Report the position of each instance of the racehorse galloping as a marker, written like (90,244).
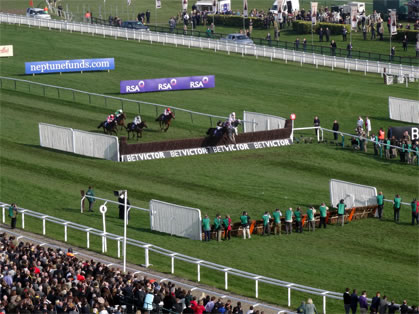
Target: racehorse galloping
(120,120)
(109,128)
(137,128)
(165,121)
(225,128)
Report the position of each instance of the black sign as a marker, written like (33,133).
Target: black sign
(205,150)
(399,131)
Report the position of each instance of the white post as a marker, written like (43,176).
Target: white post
(103,209)
(147,255)
(125,231)
(119,247)
(4,215)
(88,238)
(292,129)
(23,219)
(289,295)
(65,232)
(43,225)
(199,270)
(173,262)
(226,278)
(318,134)
(257,288)
(82,199)
(324,302)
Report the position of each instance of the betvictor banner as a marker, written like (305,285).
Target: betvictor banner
(205,150)
(167,84)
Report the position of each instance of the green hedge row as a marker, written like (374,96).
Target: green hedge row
(234,20)
(412,35)
(304,27)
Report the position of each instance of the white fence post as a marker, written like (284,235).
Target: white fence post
(226,278)
(119,246)
(23,219)
(173,262)
(147,259)
(4,215)
(257,287)
(324,301)
(44,231)
(198,263)
(65,231)
(88,238)
(289,294)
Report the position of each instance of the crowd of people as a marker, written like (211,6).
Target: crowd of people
(38,279)
(223,226)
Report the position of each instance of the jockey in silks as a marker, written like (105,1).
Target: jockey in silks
(118,113)
(166,113)
(231,120)
(218,128)
(109,120)
(136,121)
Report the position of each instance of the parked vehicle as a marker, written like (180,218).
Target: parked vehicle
(238,38)
(134,25)
(37,13)
(285,6)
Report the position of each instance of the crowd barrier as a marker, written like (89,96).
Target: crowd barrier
(272,53)
(405,110)
(79,142)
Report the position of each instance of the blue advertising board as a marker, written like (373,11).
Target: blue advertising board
(79,65)
(167,84)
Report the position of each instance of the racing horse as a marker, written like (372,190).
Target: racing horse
(136,128)
(109,128)
(225,128)
(165,121)
(120,120)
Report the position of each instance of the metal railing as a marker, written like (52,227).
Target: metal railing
(173,256)
(308,48)
(135,271)
(106,98)
(272,53)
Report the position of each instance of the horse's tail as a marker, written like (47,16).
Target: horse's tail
(100,125)
(159,118)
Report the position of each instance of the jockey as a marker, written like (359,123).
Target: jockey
(167,112)
(136,121)
(232,117)
(118,113)
(109,119)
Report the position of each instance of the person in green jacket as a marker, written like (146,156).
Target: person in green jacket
(311,221)
(341,211)
(244,219)
(89,197)
(277,221)
(266,227)
(298,220)
(380,203)
(218,227)
(323,214)
(288,221)
(206,227)
(397,203)
(13,215)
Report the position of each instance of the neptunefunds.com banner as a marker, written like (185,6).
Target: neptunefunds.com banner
(167,84)
(59,66)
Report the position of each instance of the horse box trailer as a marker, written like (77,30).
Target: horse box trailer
(360,7)
(222,6)
(285,5)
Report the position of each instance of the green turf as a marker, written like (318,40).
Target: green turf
(369,254)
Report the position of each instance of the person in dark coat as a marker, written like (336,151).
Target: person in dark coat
(354,301)
(335,127)
(375,303)
(347,301)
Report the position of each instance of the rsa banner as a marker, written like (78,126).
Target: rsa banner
(59,66)
(205,150)
(167,84)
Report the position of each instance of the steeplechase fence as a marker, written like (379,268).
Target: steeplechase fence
(405,110)
(273,53)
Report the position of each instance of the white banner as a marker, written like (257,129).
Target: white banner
(185,5)
(393,25)
(245,8)
(314,13)
(354,13)
(6,51)
(158,4)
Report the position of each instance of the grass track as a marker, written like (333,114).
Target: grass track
(49,181)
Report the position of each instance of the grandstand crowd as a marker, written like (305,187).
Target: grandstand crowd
(38,279)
